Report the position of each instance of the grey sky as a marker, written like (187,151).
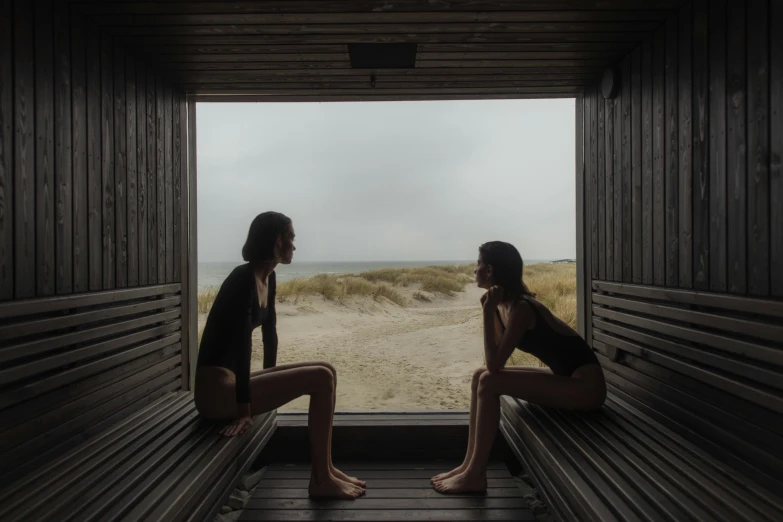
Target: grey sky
(389,181)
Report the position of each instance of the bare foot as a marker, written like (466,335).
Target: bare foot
(334,488)
(463,483)
(443,476)
(345,478)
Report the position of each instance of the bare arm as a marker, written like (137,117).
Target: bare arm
(498,348)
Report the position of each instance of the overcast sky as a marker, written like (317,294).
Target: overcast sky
(390,181)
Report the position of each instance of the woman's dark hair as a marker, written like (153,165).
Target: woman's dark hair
(507,268)
(263,234)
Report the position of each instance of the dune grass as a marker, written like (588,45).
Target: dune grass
(434,279)
(337,288)
(553,284)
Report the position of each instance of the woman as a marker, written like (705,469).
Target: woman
(514,319)
(225,388)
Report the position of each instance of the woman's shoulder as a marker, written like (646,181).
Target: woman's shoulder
(240,277)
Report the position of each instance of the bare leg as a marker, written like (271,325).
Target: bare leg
(474,384)
(273,389)
(585,390)
(336,472)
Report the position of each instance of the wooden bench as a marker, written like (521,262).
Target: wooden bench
(94,422)
(692,427)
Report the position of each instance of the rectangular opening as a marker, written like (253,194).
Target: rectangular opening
(390,202)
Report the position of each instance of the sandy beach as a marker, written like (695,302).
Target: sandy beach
(388,357)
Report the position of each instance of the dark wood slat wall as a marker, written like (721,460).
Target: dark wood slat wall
(758,149)
(647,162)
(299,51)
(697,338)
(736,147)
(84,337)
(692,177)
(23,23)
(776,145)
(6,152)
(76,147)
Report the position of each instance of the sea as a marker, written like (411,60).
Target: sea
(214,273)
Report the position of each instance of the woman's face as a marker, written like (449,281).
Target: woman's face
(285,246)
(483,274)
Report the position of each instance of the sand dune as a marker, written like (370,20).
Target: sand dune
(419,357)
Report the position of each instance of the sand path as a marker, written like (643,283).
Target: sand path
(388,358)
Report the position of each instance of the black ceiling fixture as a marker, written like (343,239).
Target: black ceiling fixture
(382,56)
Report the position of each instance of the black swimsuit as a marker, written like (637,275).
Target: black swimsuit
(227,341)
(564,354)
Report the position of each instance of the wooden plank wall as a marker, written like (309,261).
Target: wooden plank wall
(686,294)
(92,185)
(686,160)
(90,170)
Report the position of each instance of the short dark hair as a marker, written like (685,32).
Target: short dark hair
(262,236)
(507,267)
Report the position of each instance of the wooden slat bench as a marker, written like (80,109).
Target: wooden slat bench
(693,425)
(94,422)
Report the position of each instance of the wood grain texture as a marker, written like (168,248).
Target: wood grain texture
(94,182)
(7,124)
(618,174)
(736,147)
(636,162)
(142,138)
(685,128)
(160,175)
(627,170)
(593,183)
(609,185)
(758,148)
(132,199)
(659,157)
(776,148)
(647,162)
(600,188)
(176,153)
(120,168)
(701,157)
(672,157)
(63,151)
(717,146)
(44,149)
(369,6)
(107,163)
(169,184)
(24,151)
(152,180)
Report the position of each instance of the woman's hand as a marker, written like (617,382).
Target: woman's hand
(238,427)
(492,298)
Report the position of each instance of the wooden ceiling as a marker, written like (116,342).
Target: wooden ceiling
(297,50)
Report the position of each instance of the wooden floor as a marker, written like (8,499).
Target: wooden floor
(395,491)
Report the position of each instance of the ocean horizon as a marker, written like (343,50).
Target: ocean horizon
(213,273)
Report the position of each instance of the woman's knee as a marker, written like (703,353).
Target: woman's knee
(322,378)
(474,383)
(328,367)
(486,383)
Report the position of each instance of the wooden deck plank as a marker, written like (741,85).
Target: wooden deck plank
(262,494)
(440,502)
(396,491)
(387,483)
(278,474)
(374,515)
(436,465)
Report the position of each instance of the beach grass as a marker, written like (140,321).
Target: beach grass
(553,284)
